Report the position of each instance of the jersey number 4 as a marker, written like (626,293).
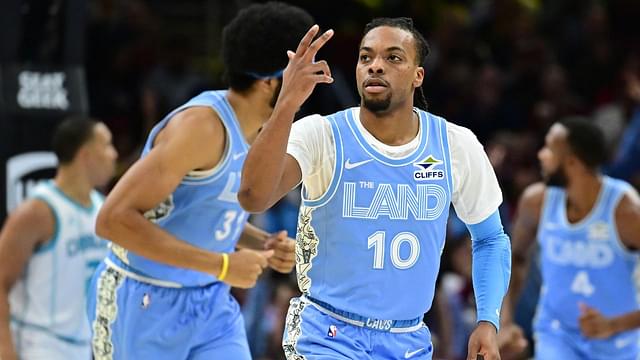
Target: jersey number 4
(377,242)
(581,284)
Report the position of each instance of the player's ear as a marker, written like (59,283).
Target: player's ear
(267,86)
(273,84)
(419,77)
(571,160)
(82,153)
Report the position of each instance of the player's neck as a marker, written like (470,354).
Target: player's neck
(250,115)
(582,194)
(396,127)
(74,183)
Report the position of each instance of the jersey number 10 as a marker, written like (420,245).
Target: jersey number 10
(377,242)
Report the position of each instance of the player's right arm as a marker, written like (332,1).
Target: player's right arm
(593,323)
(193,139)
(269,173)
(30,225)
(522,239)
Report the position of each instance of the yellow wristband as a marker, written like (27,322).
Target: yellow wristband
(225,266)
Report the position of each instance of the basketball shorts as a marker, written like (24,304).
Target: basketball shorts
(318,332)
(134,319)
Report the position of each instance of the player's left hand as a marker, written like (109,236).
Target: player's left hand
(284,256)
(593,324)
(483,341)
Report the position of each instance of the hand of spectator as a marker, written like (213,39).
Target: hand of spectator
(484,342)
(245,266)
(511,341)
(593,324)
(284,256)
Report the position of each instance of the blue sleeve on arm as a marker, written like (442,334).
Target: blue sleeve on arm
(491,267)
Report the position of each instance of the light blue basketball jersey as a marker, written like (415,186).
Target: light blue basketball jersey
(203,210)
(48,301)
(584,262)
(371,244)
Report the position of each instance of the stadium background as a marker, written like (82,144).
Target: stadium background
(506,69)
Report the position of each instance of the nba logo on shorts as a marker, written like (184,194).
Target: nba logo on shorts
(333,331)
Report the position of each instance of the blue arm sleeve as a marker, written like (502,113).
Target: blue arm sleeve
(491,267)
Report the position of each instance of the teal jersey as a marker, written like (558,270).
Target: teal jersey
(50,296)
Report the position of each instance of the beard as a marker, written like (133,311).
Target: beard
(556,178)
(377,105)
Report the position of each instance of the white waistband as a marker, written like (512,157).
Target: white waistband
(141,278)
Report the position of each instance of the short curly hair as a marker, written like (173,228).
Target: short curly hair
(255,42)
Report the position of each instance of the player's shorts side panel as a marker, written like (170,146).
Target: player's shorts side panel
(312,335)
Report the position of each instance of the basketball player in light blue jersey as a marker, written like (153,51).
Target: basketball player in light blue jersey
(174,217)
(49,251)
(587,226)
(378,182)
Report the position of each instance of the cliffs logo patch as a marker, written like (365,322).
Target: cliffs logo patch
(428,170)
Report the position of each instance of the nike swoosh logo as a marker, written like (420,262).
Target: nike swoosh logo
(408,354)
(349,165)
(238,155)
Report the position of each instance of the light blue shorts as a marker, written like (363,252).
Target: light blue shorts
(132,319)
(316,335)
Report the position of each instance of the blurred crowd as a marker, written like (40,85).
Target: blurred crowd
(507,69)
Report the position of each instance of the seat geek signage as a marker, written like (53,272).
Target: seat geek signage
(44,90)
